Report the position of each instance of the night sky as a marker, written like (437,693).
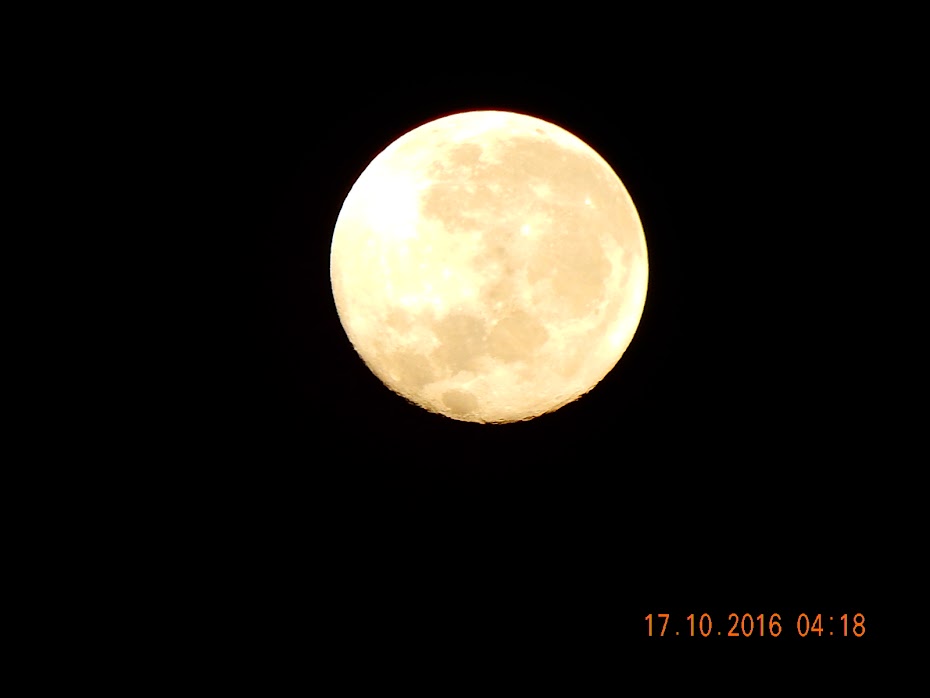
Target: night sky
(708,472)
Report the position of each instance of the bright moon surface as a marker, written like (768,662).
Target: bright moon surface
(489,266)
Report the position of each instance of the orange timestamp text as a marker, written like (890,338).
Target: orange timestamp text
(747,625)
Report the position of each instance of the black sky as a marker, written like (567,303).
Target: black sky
(710,470)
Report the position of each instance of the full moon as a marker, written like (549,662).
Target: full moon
(489,266)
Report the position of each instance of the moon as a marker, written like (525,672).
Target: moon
(489,266)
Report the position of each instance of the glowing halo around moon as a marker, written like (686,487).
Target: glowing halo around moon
(489,266)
